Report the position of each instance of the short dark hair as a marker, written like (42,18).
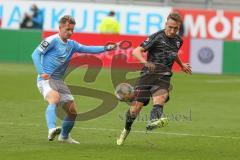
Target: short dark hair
(111,13)
(175,16)
(68,19)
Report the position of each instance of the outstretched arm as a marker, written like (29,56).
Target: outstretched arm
(184,66)
(93,49)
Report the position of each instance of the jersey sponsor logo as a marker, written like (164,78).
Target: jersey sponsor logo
(44,45)
(205,55)
(68,49)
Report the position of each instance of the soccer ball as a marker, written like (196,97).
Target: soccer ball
(124,92)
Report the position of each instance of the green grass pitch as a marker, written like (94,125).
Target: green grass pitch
(203,110)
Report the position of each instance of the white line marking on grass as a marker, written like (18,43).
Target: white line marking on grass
(164,133)
(118,130)
(223,81)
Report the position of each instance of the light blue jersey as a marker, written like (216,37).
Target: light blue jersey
(53,55)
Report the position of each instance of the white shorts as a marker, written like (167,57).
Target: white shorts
(45,86)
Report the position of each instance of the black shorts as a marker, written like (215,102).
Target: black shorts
(149,83)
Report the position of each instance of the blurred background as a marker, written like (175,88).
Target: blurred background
(211,28)
(204,107)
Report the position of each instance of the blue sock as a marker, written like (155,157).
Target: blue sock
(67,126)
(51,116)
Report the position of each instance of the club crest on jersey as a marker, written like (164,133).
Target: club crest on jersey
(68,49)
(44,45)
(178,44)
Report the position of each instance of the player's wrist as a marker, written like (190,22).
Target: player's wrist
(45,76)
(182,65)
(148,63)
(109,47)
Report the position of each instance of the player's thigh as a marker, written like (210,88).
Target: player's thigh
(52,97)
(160,96)
(160,90)
(64,91)
(143,88)
(66,98)
(49,91)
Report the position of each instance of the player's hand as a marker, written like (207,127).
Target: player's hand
(45,76)
(150,66)
(187,68)
(110,47)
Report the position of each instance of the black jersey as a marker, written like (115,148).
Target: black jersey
(162,50)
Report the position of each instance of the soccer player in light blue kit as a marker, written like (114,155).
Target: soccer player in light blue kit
(51,59)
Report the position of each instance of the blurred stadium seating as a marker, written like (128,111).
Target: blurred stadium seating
(216,4)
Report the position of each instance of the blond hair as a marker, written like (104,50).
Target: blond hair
(66,19)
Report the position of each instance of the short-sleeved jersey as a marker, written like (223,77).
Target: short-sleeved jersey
(162,50)
(56,54)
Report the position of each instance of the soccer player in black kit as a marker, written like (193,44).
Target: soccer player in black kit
(162,51)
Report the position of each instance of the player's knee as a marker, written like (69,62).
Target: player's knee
(160,99)
(71,110)
(72,113)
(134,113)
(53,98)
(136,108)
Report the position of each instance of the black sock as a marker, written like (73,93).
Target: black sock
(156,112)
(129,120)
